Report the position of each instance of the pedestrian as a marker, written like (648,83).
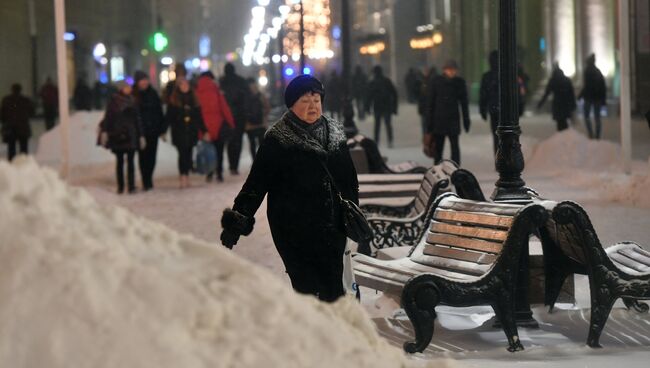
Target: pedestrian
(382,97)
(151,116)
(186,123)
(489,97)
(522,84)
(359,89)
(423,96)
(236,90)
(412,81)
(295,164)
(448,94)
(593,94)
(49,94)
(82,96)
(258,110)
(15,113)
(100,95)
(334,89)
(121,132)
(564,100)
(217,118)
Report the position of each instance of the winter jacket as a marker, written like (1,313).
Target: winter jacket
(214,107)
(257,110)
(151,114)
(303,210)
(446,97)
(359,85)
(184,119)
(122,123)
(15,114)
(236,91)
(83,96)
(564,100)
(594,88)
(489,94)
(382,96)
(49,94)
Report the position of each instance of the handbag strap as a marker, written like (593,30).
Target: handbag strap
(336,188)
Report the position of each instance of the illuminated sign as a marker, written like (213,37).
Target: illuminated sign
(373,48)
(426,42)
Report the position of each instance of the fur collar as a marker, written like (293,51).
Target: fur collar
(289,136)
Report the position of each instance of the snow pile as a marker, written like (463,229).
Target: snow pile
(84,285)
(593,165)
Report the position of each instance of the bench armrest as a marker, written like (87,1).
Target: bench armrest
(392,232)
(385,210)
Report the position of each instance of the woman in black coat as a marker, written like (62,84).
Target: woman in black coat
(184,118)
(303,209)
(564,99)
(121,132)
(151,114)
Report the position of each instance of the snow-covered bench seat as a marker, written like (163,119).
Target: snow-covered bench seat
(571,246)
(469,255)
(374,162)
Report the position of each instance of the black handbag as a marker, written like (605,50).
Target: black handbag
(354,221)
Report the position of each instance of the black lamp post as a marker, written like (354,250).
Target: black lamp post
(346,49)
(509,160)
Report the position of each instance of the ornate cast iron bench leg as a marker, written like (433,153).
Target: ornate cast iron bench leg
(419,299)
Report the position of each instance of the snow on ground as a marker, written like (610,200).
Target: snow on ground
(88,285)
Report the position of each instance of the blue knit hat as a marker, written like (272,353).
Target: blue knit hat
(301,85)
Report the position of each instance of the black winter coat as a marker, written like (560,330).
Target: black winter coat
(446,97)
(185,120)
(237,94)
(382,95)
(303,210)
(122,123)
(564,99)
(489,95)
(594,89)
(15,114)
(151,113)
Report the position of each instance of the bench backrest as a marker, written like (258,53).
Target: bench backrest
(437,173)
(465,237)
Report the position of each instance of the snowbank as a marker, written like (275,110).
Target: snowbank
(593,165)
(85,285)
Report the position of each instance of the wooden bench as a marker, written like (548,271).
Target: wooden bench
(571,246)
(469,255)
(375,163)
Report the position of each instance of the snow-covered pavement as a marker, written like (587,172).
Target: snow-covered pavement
(615,202)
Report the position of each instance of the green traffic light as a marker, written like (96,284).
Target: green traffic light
(160,41)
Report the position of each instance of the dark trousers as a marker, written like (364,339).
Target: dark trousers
(130,169)
(255,137)
(361,112)
(320,278)
(386,116)
(562,123)
(234,147)
(440,146)
(184,159)
(494,123)
(218,145)
(147,161)
(11,147)
(49,114)
(587,114)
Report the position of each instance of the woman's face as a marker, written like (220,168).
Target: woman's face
(308,108)
(183,85)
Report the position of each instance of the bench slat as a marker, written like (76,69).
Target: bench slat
(473,218)
(466,243)
(388,190)
(452,265)
(641,257)
(491,208)
(628,262)
(469,231)
(382,179)
(378,283)
(463,255)
(404,267)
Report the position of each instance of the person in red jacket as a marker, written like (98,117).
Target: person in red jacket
(217,117)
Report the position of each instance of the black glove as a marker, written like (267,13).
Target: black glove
(229,239)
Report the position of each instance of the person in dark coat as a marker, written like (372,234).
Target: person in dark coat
(594,94)
(121,132)
(217,118)
(489,96)
(413,82)
(423,96)
(334,89)
(49,94)
(179,73)
(523,80)
(382,97)
(448,93)
(83,96)
(564,100)
(151,115)
(359,90)
(236,90)
(186,123)
(303,210)
(258,108)
(15,112)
